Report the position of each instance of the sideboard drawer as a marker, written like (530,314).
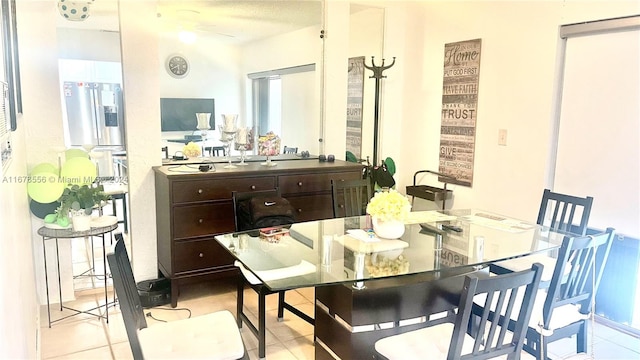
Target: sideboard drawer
(205,219)
(200,254)
(299,184)
(312,207)
(215,189)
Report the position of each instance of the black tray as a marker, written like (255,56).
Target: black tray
(430,193)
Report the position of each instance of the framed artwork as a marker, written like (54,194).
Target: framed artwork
(11,57)
(459,110)
(354,105)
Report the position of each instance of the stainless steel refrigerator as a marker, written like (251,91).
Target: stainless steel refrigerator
(94,114)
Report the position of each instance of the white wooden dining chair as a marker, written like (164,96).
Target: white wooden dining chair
(211,336)
(486,339)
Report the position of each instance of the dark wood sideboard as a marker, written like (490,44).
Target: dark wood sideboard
(192,207)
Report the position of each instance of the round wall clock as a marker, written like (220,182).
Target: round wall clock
(177,66)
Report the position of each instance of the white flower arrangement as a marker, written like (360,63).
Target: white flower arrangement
(191,150)
(389,205)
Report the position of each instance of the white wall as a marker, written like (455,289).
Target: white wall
(517,72)
(20,258)
(366,30)
(336,55)
(73,44)
(295,48)
(142,110)
(215,73)
(19,306)
(299,109)
(301,47)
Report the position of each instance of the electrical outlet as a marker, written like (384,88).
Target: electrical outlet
(502,137)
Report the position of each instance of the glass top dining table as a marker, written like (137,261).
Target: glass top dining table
(341,250)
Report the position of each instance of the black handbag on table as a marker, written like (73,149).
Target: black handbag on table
(261,212)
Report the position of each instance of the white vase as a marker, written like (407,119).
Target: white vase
(388,229)
(81,222)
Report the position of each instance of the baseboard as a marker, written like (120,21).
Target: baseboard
(618,326)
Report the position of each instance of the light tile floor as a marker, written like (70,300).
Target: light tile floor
(88,337)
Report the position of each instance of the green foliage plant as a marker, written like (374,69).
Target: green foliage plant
(77,200)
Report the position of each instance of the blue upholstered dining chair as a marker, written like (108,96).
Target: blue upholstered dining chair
(211,336)
(510,294)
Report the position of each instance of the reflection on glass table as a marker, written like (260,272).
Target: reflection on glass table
(433,241)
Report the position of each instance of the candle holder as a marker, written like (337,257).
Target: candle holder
(203,147)
(243,151)
(228,130)
(248,144)
(203,126)
(268,162)
(226,138)
(242,144)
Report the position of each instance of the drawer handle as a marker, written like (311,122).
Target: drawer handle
(341,206)
(253,187)
(300,183)
(200,191)
(200,221)
(299,210)
(201,255)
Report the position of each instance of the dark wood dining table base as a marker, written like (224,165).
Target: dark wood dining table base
(381,302)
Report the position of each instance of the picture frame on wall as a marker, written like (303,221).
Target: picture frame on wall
(355,95)
(11,59)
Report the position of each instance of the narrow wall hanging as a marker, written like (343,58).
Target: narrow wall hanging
(355,90)
(459,110)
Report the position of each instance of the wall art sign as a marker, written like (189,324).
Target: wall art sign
(11,64)
(459,110)
(355,90)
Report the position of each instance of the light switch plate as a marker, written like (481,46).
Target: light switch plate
(502,137)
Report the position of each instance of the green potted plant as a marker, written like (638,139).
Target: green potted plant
(77,201)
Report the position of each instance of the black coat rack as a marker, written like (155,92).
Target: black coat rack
(377,74)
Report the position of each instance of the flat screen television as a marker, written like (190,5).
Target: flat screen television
(179,114)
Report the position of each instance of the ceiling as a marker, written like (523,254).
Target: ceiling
(243,21)
(230,21)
